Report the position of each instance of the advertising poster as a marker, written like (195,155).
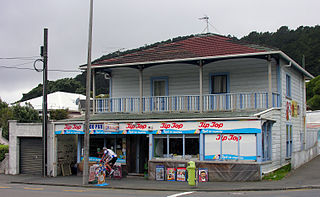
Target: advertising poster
(203,175)
(171,174)
(181,174)
(160,173)
(117,171)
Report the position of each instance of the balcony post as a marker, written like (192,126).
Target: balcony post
(93,91)
(201,84)
(270,82)
(141,88)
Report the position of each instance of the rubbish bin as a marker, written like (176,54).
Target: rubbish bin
(191,173)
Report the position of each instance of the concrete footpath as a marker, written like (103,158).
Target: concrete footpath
(305,177)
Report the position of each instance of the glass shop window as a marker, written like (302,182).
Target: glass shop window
(175,145)
(96,144)
(192,145)
(179,146)
(160,146)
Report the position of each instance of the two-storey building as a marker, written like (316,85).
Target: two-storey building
(234,108)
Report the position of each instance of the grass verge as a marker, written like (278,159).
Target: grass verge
(278,174)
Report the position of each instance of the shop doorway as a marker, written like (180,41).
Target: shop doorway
(138,150)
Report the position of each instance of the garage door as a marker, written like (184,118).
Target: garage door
(31,154)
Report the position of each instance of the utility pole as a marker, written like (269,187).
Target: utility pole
(44,102)
(85,177)
(44,60)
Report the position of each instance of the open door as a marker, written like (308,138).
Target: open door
(137,153)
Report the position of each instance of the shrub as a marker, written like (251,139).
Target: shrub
(3,150)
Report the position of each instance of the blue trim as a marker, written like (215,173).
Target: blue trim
(110,88)
(238,147)
(150,146)
(230,157)
(219,74)
(220,147)
(168,145)
(288,86)
(164,78)
(183,145)
(201,147)
(279,77)
(259,147)
(243,130)
(79,149)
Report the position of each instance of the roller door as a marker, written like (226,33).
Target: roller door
(31,155)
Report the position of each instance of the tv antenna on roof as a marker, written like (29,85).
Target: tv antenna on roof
(206,18)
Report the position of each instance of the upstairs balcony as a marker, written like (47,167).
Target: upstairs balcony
(188,103)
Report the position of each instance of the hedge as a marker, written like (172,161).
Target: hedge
(3,150)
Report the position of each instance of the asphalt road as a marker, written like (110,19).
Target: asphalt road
(17,190)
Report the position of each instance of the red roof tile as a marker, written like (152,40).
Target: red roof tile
(207,45)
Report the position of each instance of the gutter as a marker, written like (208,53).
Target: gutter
(183,60)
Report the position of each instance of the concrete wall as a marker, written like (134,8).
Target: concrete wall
(4,165)
(18,130)
(301,157)
(3,140)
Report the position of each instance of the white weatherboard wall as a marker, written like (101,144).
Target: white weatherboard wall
(279,127)
(18,130)
(246,75)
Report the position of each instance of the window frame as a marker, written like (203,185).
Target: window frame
(289,140)
(288,86)
(227,74)
(167,137)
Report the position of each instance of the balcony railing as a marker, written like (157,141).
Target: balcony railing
(191,103)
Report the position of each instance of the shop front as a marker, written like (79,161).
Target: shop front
(226,147)
(132,150)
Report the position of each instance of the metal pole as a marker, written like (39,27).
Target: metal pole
(140,89)
(93,91)
(44,104)
(201,86)
(87,113)
(270,104)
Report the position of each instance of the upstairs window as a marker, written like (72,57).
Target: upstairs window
(288,86)
(219,84)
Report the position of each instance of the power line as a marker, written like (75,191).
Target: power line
(19,58)
(22,68)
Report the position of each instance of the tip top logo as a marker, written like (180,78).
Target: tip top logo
(205,125)
(72,127)
(136,126)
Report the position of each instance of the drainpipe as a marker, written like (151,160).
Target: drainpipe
(93,91)
(270,82)
(141,88)
(201,84)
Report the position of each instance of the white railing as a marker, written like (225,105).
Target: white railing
(191,103)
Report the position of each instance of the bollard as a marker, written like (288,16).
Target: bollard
(191,173)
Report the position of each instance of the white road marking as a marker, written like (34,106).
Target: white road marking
(180,194)
(72,190)
(30,188)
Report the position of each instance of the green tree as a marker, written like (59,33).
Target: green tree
(25,113)
(5,115)
(313,93)
(59,114)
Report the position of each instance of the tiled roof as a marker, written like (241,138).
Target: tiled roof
(204,45)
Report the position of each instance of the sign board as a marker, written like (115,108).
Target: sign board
(230,147)
(195,127)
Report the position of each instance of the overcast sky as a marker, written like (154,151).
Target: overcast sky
(122,25)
